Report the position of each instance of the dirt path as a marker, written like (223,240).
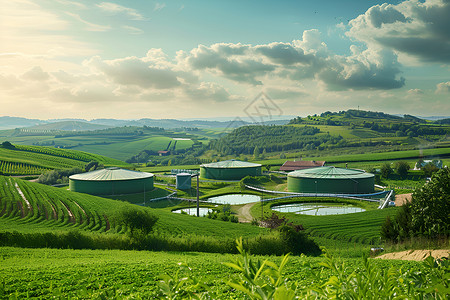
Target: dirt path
(244,214)
(417,255)
(402,199)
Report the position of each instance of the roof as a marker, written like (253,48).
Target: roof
(330,173)
(231,164)
(301,164)
(111,174)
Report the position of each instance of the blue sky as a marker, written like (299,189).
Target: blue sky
(187,59)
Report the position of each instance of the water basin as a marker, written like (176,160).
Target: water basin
(193,211)
(317,209)
(235,199)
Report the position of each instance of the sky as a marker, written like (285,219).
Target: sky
(204,59)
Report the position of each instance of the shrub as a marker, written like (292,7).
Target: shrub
(139,222)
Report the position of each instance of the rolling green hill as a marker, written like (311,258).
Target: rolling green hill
(120,143)
(347,129)
(31,207)
(33,160)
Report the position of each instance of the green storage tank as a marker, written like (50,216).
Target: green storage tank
(331,180)
(229,170)
(111,181)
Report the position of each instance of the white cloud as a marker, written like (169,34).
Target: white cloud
(159,6)
(133,30)
(29,30)
(116,9)
(36,74)
(89,26)
(135,71)
(443,88)
(411,28)
(415,92)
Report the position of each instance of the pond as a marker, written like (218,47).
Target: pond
(235,199)
(318,209)
(193,211)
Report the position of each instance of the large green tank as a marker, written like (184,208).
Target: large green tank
(229,170)
(331,180)
(111,181)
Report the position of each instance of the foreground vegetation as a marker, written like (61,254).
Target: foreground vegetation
(114,274)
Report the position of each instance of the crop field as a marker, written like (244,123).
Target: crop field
(135,274)
(26,160)
(119,146)
(125,149)
(26,203)
(30,207)
(381,156)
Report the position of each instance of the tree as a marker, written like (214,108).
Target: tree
(430,205)
(401,168)
(386,170)
(429,169)
(256,153)
(7,145)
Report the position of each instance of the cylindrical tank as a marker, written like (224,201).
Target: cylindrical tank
(229,170)
(331,180)
(111,181)
(183,181)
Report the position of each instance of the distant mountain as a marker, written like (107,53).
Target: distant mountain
(69,126)
(169,123)
(16,122)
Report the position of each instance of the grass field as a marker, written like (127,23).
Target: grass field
(49,273)
(123,150)
(381,156)
(121,147)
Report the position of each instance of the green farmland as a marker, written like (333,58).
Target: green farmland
(34,160)
(115,274)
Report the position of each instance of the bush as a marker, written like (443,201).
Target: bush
(139,222)
(297,242)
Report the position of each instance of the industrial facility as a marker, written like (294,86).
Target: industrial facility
(229,170)
(331,180)
(111,181)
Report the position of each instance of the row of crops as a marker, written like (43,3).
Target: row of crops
(34,160)
(16,168)
(39,159)
(67,153)
(34,203)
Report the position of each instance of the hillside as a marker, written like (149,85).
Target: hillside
(33,160)
(66,126)
(32,207)
(345,129)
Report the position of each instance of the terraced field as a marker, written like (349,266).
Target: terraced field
(32,207)
(28,160)
(27,206)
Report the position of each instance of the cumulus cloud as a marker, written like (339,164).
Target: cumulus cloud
(135,71)
(36,74)
(415,92)
(443,88)
(308,58)
(208,91)
(232,61)
(119,9)
(413,28)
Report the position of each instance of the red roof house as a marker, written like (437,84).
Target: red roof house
(301,165)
